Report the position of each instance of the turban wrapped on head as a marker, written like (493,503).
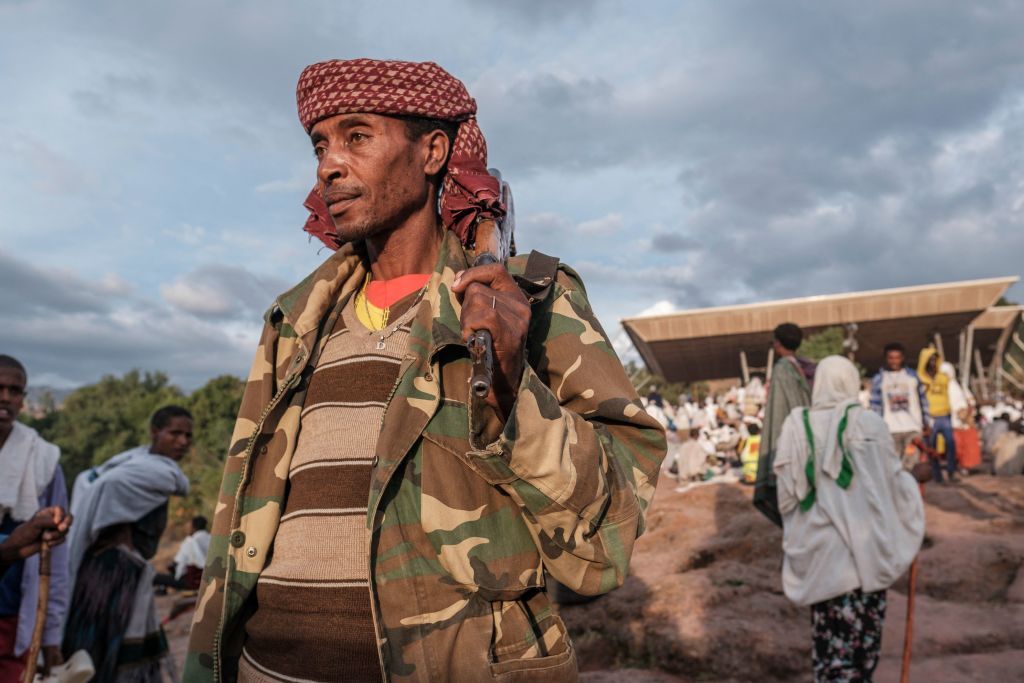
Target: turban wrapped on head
(423,89)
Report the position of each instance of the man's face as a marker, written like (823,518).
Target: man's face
(371,176)
(894,360)
(12,396)
(174,439)
(931,364)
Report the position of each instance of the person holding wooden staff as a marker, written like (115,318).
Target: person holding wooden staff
(853,521)
(30,478)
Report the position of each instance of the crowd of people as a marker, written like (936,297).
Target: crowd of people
(101,584)
(837,462)
(930,417)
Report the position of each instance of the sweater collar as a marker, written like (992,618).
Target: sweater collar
(306,304)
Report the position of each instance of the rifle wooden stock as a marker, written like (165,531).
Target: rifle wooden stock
(481,346)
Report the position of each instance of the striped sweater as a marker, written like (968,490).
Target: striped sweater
(313,618)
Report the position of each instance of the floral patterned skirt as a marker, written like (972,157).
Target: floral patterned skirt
(847,632)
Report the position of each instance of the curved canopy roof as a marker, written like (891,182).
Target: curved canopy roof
(704,344)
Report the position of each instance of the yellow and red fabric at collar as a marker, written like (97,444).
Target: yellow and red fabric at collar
(374,302)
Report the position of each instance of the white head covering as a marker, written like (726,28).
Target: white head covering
(836,381)
(836,388)
(958,398)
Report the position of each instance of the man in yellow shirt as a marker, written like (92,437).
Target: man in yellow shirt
(936,386)
(750,453)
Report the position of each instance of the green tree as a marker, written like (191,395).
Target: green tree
(214,407)
(828,342)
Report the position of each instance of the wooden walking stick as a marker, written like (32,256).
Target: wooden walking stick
(41,604)
(908,633)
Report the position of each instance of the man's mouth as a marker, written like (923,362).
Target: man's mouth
(6,413)
(339,201)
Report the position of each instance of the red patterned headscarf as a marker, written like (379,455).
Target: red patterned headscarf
(422,89)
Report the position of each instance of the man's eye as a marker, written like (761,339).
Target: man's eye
(358,137)
(319,151)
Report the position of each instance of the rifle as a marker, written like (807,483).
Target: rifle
(494,242)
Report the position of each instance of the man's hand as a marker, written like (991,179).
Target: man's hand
(922,472)
(51,658)
(492,301)
(49,525)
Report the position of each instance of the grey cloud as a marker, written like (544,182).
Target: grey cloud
(679,282)
(538,13)
(34,289)
(113,92)
(672,242)
(548,121)
(219,291)
(51,172)
(603,226)
(63,325)
(83,347)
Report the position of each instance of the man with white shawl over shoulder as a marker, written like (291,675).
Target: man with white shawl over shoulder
(853,520)
(120,510)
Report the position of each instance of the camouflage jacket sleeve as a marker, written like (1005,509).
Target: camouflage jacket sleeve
(578,454)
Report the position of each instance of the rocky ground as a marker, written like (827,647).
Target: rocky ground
(705,599)
(705,602)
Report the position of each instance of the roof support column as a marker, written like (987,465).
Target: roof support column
(771,363)
(1005,375)
(745,368)
(966,352)
(982,379)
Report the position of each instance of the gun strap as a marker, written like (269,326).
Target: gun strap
(538,276)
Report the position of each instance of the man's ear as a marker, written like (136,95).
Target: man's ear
(437,148)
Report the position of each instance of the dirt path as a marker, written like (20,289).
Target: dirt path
(705,599)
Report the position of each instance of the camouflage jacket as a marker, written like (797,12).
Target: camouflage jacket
(463,528)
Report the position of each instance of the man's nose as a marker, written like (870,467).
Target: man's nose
(333,166)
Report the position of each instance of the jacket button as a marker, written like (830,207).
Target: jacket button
(263,450)
(238,539)
(428,376)
(251,552)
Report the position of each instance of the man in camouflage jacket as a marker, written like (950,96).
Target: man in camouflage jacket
(467,515)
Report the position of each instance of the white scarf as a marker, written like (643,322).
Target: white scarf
(27,463)
(128,487)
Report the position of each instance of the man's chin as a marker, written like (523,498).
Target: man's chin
(355,231)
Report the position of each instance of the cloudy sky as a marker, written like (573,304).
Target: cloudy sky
(152,169)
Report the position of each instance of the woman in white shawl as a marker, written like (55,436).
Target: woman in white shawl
(853,520)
